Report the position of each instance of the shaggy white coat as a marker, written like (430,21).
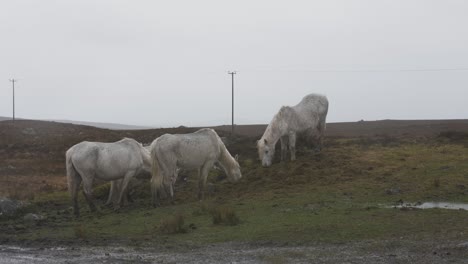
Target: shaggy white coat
(87,161)
(309,116)
(199,150)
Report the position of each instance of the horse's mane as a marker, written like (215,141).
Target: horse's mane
(225,157)
(286,112)
(274,129)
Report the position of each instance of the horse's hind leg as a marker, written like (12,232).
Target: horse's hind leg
(155,192)
(284,147)
(169,189)
(88,194)
(74,190)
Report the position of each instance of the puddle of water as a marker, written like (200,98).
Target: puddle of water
(431,205)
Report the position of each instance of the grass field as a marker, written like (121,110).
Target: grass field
(344,194)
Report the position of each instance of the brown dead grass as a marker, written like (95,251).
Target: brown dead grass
(32,163)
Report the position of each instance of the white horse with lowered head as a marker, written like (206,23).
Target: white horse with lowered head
(309,116)
(199,150)
(87,161)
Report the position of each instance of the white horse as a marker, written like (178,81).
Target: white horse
(309,116)
(86,161)
(199,150)
(116,188)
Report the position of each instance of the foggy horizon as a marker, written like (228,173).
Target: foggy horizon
(165,64)
(212,124)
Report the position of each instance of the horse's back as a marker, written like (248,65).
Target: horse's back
(308,112)
(83,149)
(106,159)
(315,102)
(205,136)
(188,150)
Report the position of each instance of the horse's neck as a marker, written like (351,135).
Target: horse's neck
(225,158)
(275,130)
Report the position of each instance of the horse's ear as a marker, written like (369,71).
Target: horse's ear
(266,142)
(237,157)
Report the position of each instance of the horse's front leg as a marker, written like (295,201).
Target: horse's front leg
(284,147)
(316,137)
(112,192)
(292,145)
(202,176)
(123,189)
(201,184)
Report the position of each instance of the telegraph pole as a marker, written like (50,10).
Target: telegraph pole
(232,126)
(13,84)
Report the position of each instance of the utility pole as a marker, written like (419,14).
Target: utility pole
(13,83)
(232,126)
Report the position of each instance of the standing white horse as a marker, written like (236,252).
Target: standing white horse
(116,187)
(309,116)
(199,150)
(86,161)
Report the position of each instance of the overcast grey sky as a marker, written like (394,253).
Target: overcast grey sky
(165,63)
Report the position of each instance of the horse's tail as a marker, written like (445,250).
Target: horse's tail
(321,126)
(157,178)
(72,174)
(322,120)
(73,180)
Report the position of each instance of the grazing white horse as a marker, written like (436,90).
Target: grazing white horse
(199,150)
(87,161)
(309,116)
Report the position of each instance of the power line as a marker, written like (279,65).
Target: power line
(359,71)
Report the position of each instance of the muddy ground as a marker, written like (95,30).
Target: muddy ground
(361,252)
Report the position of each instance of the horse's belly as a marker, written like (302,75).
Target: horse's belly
(191,163)
(111,173)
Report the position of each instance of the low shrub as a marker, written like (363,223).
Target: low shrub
(224,216)
(172,225)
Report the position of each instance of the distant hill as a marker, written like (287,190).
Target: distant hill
(112,126)
(2,118)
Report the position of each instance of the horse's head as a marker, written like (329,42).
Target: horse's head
(234,173)
(266,152)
